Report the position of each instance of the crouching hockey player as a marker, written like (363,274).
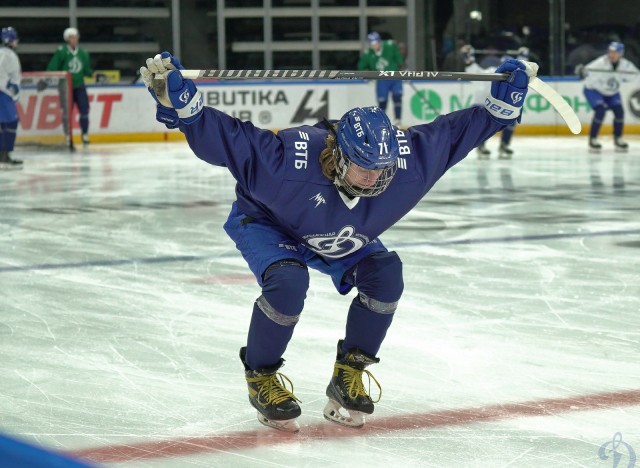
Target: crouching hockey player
(602,78)
(319,196)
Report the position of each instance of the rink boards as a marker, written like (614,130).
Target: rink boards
(127,113)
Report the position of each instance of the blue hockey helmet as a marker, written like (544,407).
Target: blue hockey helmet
(9,35)
(366,138)
(616,46)
(373,38)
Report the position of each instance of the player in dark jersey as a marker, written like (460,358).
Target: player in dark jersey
(319,196)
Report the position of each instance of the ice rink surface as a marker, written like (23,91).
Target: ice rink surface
(516,343)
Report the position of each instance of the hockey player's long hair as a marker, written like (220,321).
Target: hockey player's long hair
(328,159)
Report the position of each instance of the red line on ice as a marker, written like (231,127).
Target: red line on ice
(262,436)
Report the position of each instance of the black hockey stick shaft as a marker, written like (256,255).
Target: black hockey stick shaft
(340,75)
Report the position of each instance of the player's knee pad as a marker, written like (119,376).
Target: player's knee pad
(598,113)
(618,112)
(379,281)
(284,290)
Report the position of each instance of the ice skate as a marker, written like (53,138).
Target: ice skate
(620,145)
(505,152)
(277,407)
(6,162)
(483,152)
(594,146)
(346,390)
(85,139)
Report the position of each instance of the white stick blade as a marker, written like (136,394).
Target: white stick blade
(559,104)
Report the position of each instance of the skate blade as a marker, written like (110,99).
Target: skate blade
(621,150)
(332,413)
(287,425)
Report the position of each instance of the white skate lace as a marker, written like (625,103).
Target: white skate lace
(352,379)
(272,389)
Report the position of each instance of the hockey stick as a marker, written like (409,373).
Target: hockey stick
(559,104)
(622,72)
(546,91)
(495,52)
(339,75)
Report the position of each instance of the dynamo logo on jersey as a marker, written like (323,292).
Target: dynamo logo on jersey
(184,97)
(337,245)
(74,65)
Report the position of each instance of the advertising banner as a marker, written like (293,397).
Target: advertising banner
(118,109)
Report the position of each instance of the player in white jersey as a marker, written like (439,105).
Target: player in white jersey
(602,78)
(318,196)
(10,77)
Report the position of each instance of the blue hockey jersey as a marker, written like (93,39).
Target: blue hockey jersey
(279,176)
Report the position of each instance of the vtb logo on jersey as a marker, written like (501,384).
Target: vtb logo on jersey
(516,97)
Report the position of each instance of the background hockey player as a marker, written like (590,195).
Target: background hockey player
(384,56)
(319,196)
(468,55)
(74,59)
(602,78)
(10,78)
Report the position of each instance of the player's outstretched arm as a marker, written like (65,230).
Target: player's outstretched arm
(252,155)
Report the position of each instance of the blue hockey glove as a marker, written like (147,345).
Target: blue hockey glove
(581,71)
(167,116)
(14,90)
(507,97)
(171,91)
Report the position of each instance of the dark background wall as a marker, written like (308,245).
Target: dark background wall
(506,24)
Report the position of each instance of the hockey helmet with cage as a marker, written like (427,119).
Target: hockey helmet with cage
(616,46)
(366,138)
(9,35)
